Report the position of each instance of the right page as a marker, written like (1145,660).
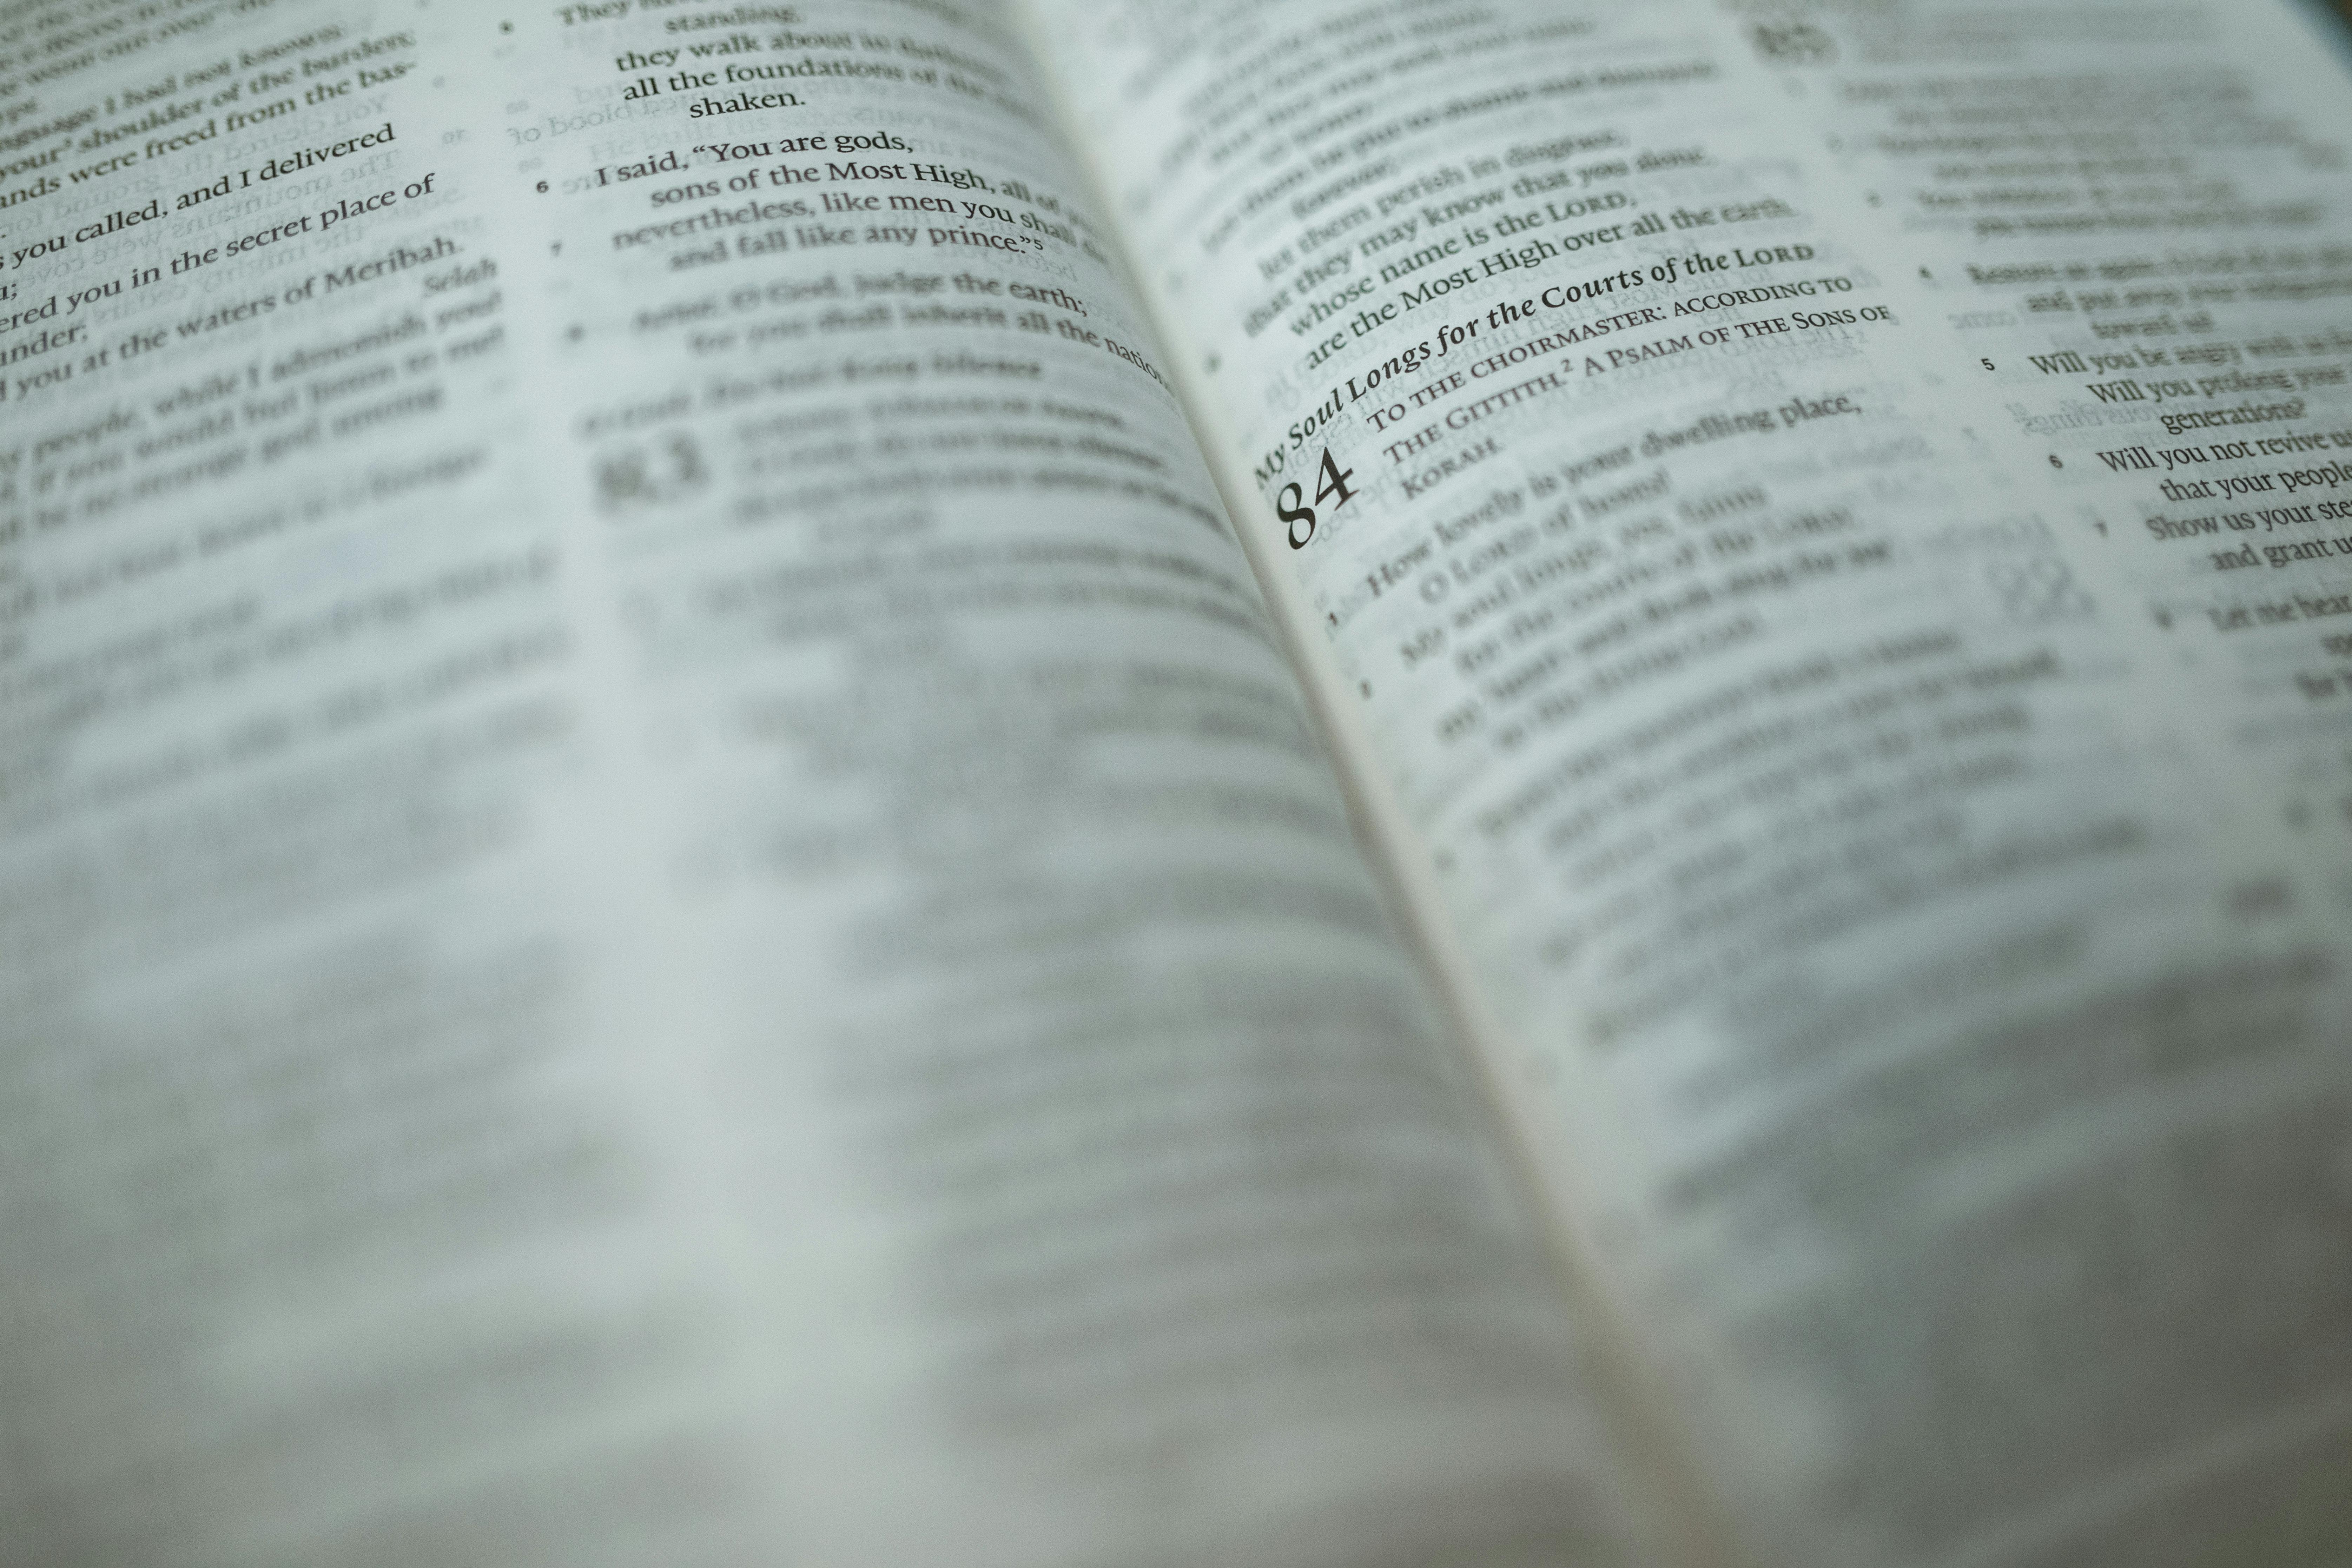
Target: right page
(1826,534)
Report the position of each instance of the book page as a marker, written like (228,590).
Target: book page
(663,899)
(2132,216)
(1899,874)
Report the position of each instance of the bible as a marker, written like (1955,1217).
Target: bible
(1318,783)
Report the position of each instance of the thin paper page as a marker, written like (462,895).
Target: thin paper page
(1139,1213)
(2132,218)
(661,900)
(1915,967)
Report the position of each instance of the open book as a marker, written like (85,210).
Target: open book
(1309,785)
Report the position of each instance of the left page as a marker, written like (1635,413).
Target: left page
(662,900)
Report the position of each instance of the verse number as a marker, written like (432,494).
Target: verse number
(667,469)
(2037,590)
(1291,508)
